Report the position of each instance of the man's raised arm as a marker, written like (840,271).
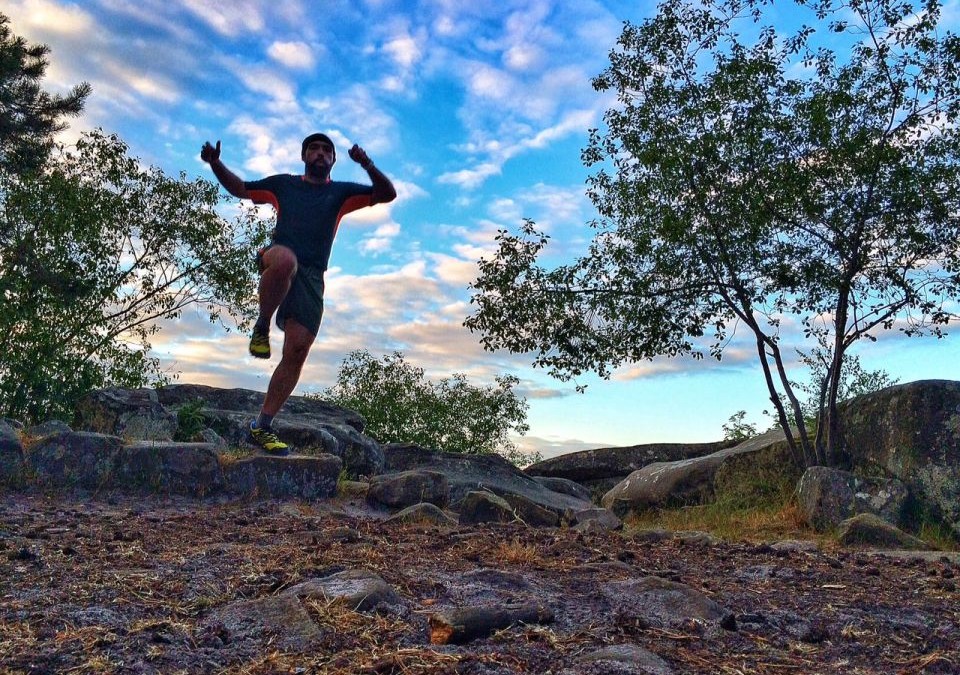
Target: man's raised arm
(229,180)
(383,190)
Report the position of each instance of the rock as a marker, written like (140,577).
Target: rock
(49,427)
(828,496)
(172,468)
(485,507)
(663,603)
(634,658)
(132,414)
(11,454)
(564,486)
(423,513)
(360,590)
(293,476)
(795,546)
(467,473)
(278,621)
(910,432)
(531,513)
(693,480)
(601,469)
(74,459)
(595,520)
(869,530)
(406,488)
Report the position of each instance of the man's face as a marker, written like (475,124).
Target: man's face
(319,157)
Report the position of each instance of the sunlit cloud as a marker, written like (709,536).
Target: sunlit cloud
(295,55)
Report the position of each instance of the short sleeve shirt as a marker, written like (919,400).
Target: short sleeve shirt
(308,214)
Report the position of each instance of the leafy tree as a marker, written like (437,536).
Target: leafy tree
(749,178)
(400,405)
(94,251)
(737,429)
(29,116)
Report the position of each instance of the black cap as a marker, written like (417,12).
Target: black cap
(316,137)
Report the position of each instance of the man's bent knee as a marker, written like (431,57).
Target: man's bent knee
(279,260)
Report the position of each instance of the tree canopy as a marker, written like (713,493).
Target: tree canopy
(95,251)
(29,116)
(400,405)
(802,186)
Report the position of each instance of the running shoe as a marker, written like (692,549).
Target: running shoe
(260,345)
(267,439)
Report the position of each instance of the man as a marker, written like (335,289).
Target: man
(309,209)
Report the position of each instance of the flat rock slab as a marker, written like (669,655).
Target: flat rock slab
(359,590)
(294,476)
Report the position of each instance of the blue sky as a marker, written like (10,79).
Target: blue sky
(477,111)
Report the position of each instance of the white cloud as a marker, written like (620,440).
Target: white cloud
(471,178)
(230,18)
(296,55)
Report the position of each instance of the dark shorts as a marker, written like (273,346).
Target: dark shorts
(304,301)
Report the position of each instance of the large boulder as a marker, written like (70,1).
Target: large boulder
(170,468)
(406,488)
(694,481)
(467,473)
(11,454)
(910,432)
(132,414)
(74,459)
(602,468)
(828,496)
(295,476)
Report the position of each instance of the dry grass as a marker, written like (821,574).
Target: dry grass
(516,552)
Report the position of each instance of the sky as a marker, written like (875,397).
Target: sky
(478,113)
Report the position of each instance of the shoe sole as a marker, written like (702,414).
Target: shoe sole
(259,355)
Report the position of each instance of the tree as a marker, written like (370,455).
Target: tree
(400,405)
(803,186)
(29,116)
(95,250)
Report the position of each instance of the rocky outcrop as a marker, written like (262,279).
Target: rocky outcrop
(313,427)
(91,461)
(599,470)
(827,496)
(468,473)
(910,432)
(693,481)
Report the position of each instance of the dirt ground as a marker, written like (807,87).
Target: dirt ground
(115,584)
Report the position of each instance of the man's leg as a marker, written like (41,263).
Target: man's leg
(279,268)
(296,345)
(297,341)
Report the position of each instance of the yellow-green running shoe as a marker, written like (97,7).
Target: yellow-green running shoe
(267,439)
(260,345)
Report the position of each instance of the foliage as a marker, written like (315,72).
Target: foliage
(855,381)
(29,116)
(400,405)
(736,429)
(749,178)
(190,421)
(94,252)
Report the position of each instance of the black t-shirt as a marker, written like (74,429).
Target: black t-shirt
(308,214)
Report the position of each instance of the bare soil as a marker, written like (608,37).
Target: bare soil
(128,585)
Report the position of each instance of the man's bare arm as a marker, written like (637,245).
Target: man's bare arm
(229,180)
(383,190)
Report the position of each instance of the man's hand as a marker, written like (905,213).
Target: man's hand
(358,155)
(209,153)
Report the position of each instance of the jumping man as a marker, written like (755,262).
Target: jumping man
(309,209)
